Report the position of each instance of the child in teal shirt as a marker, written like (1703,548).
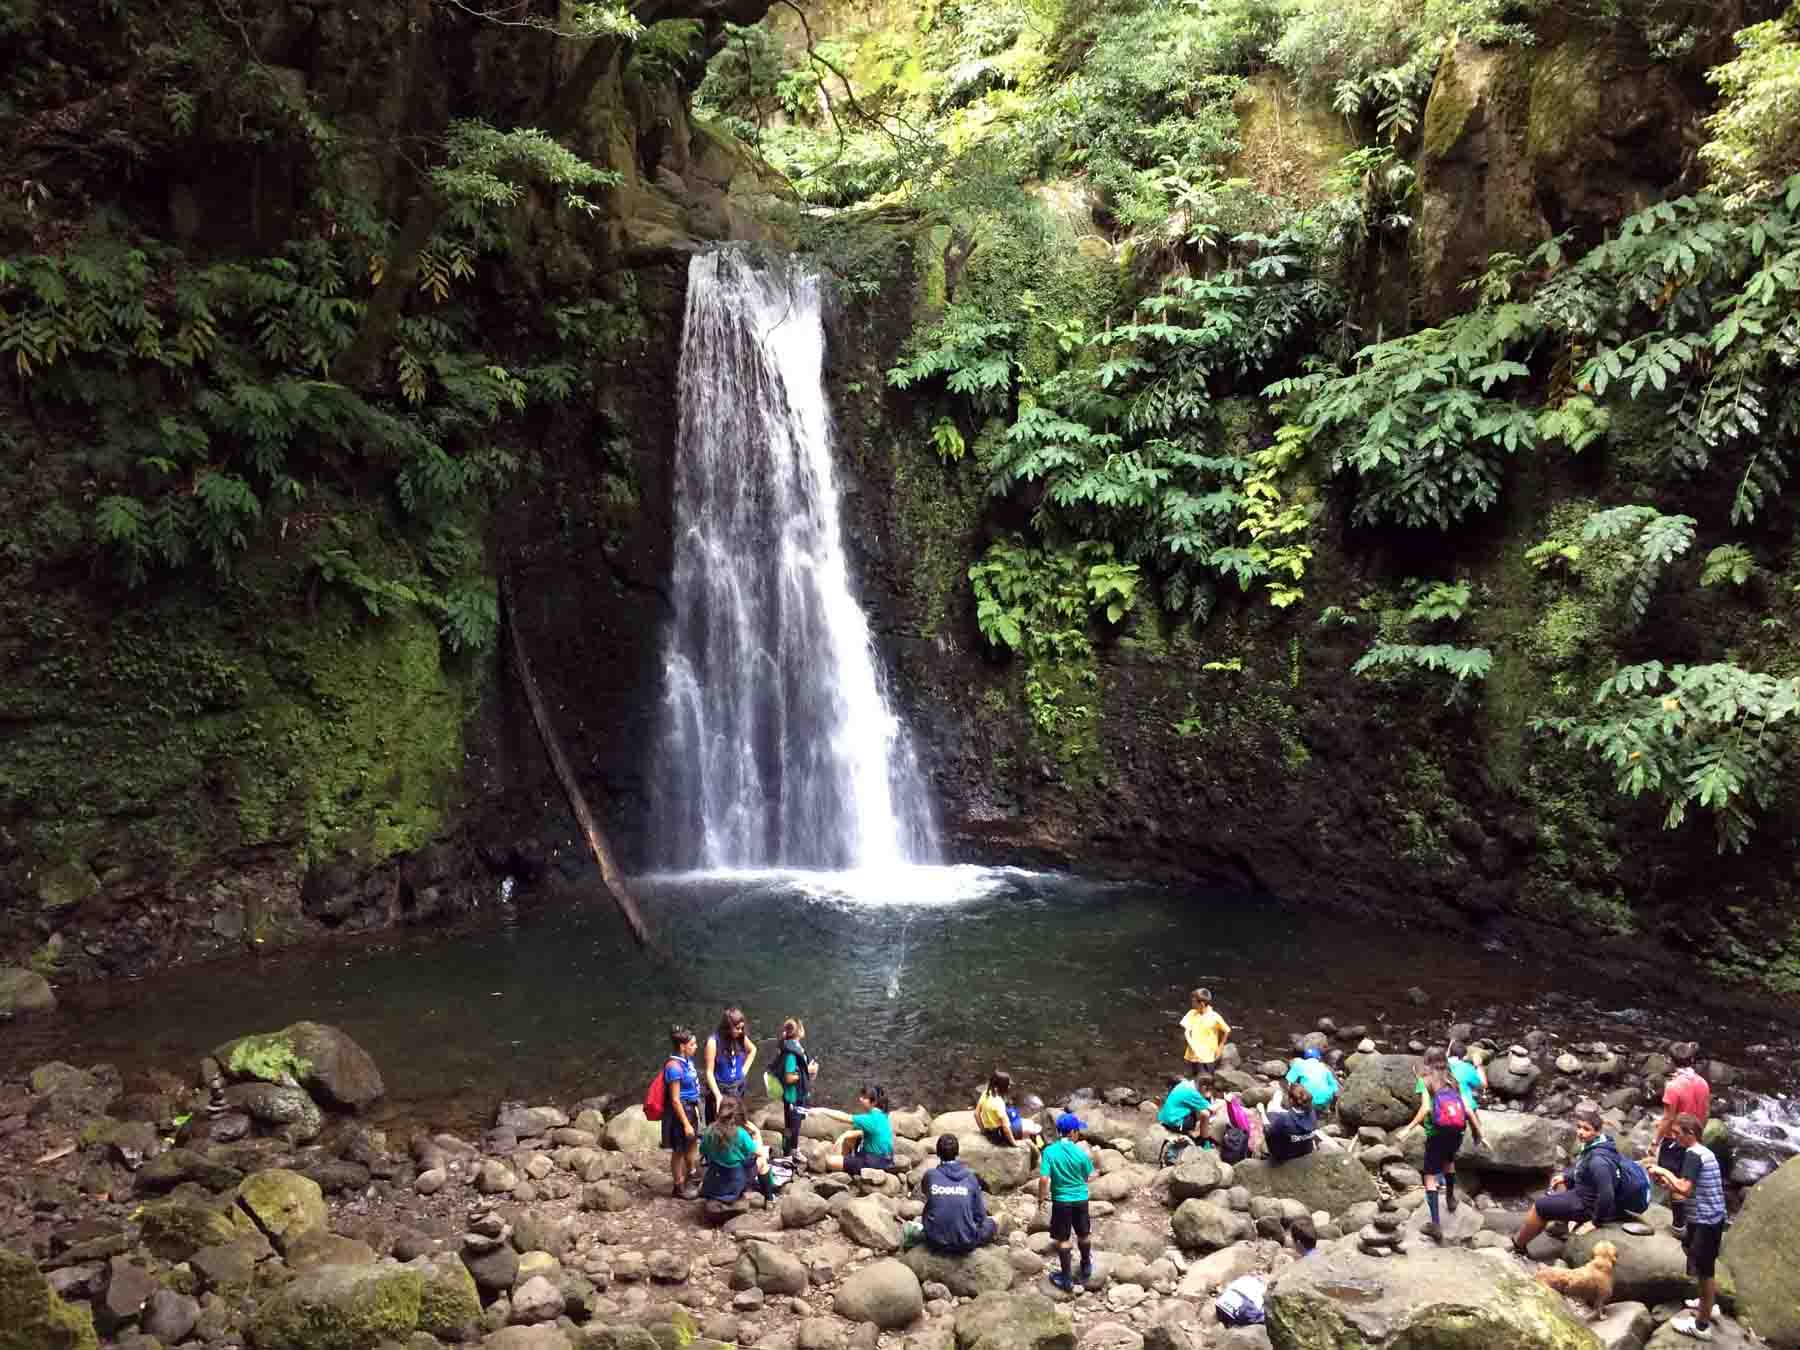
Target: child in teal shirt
(1063,1182)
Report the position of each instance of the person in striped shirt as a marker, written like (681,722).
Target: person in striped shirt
(1703,1188)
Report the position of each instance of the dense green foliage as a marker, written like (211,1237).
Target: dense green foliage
(1113,415)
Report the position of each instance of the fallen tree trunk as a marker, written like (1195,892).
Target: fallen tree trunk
(609,869)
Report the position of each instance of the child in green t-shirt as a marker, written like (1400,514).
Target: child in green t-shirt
(1063,1184)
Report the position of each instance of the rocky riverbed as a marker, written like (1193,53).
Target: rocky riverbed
(255,1204)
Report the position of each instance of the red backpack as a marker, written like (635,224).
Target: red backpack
(656,1096)
(1447,1112)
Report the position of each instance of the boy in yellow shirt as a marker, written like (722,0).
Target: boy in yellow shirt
(1204,1034)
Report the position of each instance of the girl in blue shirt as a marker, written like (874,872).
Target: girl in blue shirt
(681,1112)
(729,1054)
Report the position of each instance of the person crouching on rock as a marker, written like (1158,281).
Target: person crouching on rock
(998,1120)
(1289,1134)
(1186,1110)
(1312,1070)
(956,1220)
(1584,1191)
(735,1156)
(872,1134)
(680,1122)
(1063,1174)
(1446,1111)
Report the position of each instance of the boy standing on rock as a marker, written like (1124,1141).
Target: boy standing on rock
(1700,1185)
(1204,1034)
(1689,1094)
(1063,1184)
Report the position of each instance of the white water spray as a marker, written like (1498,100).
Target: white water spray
(779,746)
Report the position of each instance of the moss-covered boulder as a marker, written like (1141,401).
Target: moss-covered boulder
(1381,1091)
(339,1308)
(986,1270)
(1762,1249)
(285,1205)
(1447,1298)
(1013,1322)
(32,1317)
(176,1228)
(1328,1180)
(449,1303)
(289,1112)
(311,1055)
(24,993)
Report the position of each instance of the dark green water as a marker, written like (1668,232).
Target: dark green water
(921,980)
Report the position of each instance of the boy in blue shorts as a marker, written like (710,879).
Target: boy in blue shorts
(1063,1185)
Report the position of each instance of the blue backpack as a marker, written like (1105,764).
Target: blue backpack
(1631,1191)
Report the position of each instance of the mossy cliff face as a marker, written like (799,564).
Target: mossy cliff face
(1522,143)
(207,763)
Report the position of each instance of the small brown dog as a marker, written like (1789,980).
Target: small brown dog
(1592,1283)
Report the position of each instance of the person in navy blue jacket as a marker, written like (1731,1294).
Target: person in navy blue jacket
(956,1218)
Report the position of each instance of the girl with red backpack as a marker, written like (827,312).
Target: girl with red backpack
(1445,1111)
(681,1112)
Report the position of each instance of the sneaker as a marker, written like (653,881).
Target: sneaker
(1432,1231)
(1062,1282)
(1687,1326)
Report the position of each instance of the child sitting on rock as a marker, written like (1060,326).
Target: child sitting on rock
(998,1120)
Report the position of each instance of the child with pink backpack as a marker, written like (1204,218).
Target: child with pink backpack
(1446,1111)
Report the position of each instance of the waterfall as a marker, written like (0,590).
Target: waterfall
(778,746)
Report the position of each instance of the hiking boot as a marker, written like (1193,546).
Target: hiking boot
(1062,1282)
(1432,1231)
(1450,1201)
(1086,1276)
(1687,1326)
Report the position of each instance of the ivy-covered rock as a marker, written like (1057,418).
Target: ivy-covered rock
(32,1317)
(339,1308)
(311,1055)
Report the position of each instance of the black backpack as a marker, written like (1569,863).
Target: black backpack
(1234,1147)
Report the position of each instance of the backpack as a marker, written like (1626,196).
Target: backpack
(1631,1190)
(1447,1109)
(1172,1149)
(1235,1146)
(656,1096)
(1240,1303)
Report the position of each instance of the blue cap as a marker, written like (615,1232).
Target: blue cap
(1312,1052)
(1068,1122)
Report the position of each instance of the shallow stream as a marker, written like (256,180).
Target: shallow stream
(918,978)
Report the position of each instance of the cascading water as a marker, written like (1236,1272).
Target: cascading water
(779,747)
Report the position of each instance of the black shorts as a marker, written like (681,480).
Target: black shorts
(1702,1244)
(860,1161)
(674,1137)
(1566,1205)
(1068,1216)
(793,1117)
(1440,1152)
(1669,1154)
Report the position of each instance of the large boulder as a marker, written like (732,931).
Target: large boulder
(986,1270)
(1447,1298)
(449,1303)
(176,1228)
(884,1292)
(764,1266)
(869,1223)
(952,1122)
(1202,1226)
(23,993)
(1381,1091)
(1013,1322)
(1199,1173)
(32,1316)
(320,1058)
(1000,1168)
(339,1308)
(630,1132)
(1762,1250)
(1513,1074)
(1651,1269)
(1329,1180)
(1512,1144)
(285,1205)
